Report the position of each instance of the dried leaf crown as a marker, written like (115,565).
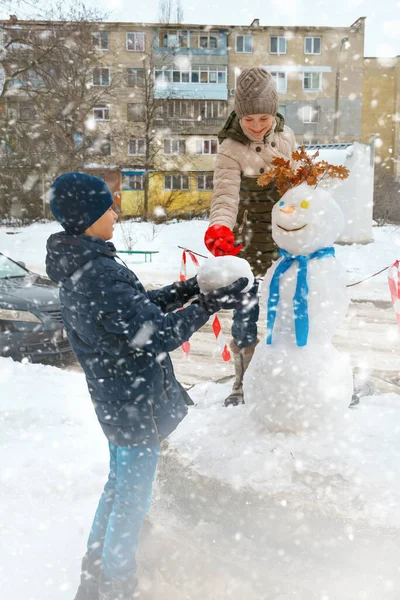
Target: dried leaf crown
(286,177)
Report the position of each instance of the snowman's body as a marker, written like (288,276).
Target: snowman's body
(299,388)
(327,300)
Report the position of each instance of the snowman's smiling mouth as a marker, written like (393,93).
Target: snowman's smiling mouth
(297,229)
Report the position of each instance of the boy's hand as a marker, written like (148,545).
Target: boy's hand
(187,289)
(223,298)
(220,241)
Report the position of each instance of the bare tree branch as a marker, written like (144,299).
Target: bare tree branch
(170,11)
(48,96)
(165,11)
(179,11)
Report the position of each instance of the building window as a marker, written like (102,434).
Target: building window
(135,77)
(183,38)
(98,146)
(180,109)
(169,39)
(101,76)
(280,80)
(176,109)
(135,41)
(135,112)
(101,113)
(176,182)
(205,182)
(165,75)
(208,40)
(209,109)
(206,146)
(29,78)
(312,81)
(208,74)
(312,45)
(105,148)
(310,114)
(27,111)
(172,146)
(132,182)
(180,76)
(192,109)
(237,74)
(196,74)
(174,39)
(100,40)
(244,43)
(137,147)
(277,45)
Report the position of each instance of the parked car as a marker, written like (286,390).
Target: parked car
(30,315)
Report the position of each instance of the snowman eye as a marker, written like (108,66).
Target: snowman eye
(281,203)
(305,204)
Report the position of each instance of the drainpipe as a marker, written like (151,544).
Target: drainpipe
(337,88)
(372,151)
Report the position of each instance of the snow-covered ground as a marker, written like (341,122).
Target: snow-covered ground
(54,464)
(333,503)
(29,245)
(355,469)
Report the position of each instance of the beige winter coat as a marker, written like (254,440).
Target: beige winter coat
(244,158)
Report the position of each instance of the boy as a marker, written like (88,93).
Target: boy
(253,136)
(121,336)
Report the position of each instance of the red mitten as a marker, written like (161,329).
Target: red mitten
(220,241)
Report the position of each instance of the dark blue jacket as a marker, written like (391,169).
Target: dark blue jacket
(121,335)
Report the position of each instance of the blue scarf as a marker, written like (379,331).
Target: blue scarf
(300,304)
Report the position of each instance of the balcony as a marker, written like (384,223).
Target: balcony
(194,42)
(191,91)
(192,82)
(192,116)
(191,126)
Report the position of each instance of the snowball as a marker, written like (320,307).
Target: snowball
(219,271)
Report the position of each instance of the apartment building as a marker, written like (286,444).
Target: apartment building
(188,91)
(193,71)
(190,69)
(318,72)
(381,110)
(319,75)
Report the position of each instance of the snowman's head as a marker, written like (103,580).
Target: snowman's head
(305,220)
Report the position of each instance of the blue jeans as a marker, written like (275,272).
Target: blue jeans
(245,317)
(126,499)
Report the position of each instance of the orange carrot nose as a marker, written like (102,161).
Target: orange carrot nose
(288,209)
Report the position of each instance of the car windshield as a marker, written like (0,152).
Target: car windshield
(9,269)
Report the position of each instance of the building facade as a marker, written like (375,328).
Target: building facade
(381,110)
(164,92)
(318,72)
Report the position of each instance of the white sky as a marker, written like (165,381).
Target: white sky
(382,28)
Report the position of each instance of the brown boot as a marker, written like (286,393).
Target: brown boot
(242,358)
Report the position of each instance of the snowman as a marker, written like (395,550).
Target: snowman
(297,381)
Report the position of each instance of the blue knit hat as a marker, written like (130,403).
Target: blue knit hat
(77,200)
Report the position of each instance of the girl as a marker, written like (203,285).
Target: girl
(253,136)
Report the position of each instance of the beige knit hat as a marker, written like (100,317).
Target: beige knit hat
(255,93)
